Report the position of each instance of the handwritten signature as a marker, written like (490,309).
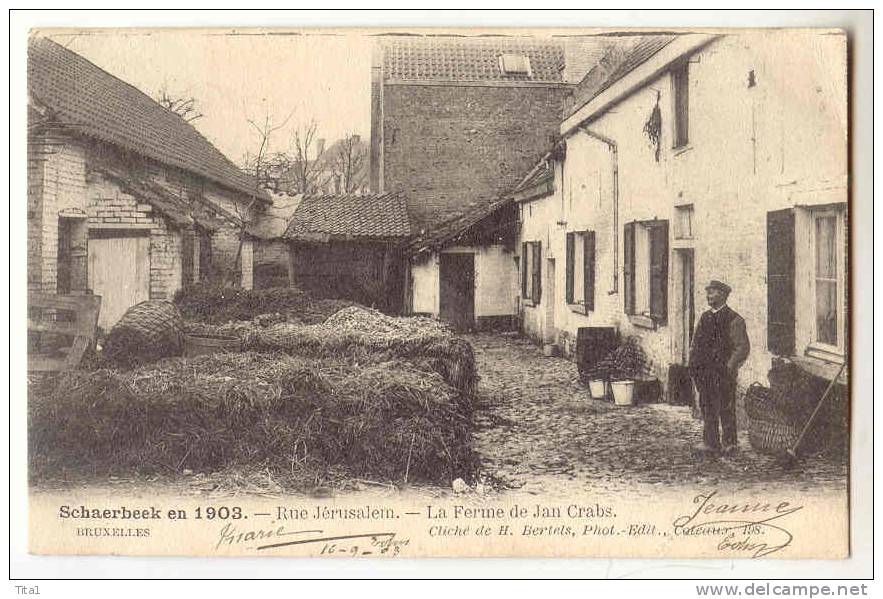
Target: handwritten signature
(747,528)
(275,537)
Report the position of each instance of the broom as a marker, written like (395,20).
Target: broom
(791,452)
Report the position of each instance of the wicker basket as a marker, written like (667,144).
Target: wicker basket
(146,332)
(769,428)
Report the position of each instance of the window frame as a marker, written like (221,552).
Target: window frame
(577,301)
(531,273)
(632,264)
(815,348)
(680,100)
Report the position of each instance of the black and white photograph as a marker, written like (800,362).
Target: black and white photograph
(392,292)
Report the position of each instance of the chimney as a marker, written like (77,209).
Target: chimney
(320,146)
(357,139)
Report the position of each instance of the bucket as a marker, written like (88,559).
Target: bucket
(598,389)
(623,392)
(199,345)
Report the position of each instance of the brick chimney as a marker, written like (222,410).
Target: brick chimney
(320,146)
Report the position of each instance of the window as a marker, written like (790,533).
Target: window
(681,109)
(514,64)
(806,281)
(828,279)
(580,277)
(645,272)
(684,222)
(531,261)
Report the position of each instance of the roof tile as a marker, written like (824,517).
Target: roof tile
(93,102)
(369,216)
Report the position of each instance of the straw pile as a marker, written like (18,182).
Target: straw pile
(362,335)
(214,304)
(298,418)
(145,333)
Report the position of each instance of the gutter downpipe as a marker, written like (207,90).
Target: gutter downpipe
(611,144)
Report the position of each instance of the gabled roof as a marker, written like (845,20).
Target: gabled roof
(468,58)
(373,216)
(91,101)
(627,53)
(451,230)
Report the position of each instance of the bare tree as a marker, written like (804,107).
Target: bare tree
(348,163)
(257,165)
(184,107)
(305,170)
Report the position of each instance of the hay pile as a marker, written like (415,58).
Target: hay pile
(296,417)
(146,332)
(216,304)
(362,335)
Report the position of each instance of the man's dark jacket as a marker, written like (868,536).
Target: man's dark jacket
(720,345)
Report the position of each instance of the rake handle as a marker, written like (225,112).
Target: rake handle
(792,451)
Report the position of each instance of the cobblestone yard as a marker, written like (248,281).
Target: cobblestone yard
(539,432)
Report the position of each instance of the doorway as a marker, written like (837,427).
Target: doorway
(119,271)
(456,274)
(686,310)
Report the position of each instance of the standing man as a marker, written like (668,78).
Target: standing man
(720,347)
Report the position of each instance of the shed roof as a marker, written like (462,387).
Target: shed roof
(372,216)
(91,101)
(469,58)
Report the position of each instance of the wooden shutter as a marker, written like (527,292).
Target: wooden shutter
(536,273)
(589,270)
(780,282)
(570,267)
(628,268)
(681,84)
(659,272)
(524,262)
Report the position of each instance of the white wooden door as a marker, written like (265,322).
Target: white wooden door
(119,271)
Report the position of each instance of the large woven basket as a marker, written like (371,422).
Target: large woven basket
(146,332)
(769,428)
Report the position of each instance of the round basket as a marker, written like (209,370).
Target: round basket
(769,429)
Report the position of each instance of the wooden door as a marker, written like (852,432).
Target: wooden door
(456,274)
(119,271)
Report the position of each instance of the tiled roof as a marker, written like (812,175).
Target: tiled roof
(368,216)
(624,55)
(455,227)
(179,211)
(91,101)
(451,58)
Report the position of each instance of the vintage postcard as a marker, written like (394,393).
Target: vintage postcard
(387,292)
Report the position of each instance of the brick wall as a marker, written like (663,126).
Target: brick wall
(56,184)
(448,146)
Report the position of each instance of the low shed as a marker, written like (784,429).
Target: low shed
(351,246)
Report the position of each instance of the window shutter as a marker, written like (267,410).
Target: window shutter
(780,282)
(570,267)
(589,270)
(659,272)
(536,292)
(628,268)
(524,263)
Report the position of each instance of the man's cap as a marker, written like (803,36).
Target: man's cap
(719,285)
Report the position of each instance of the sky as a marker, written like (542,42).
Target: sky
(236,76)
